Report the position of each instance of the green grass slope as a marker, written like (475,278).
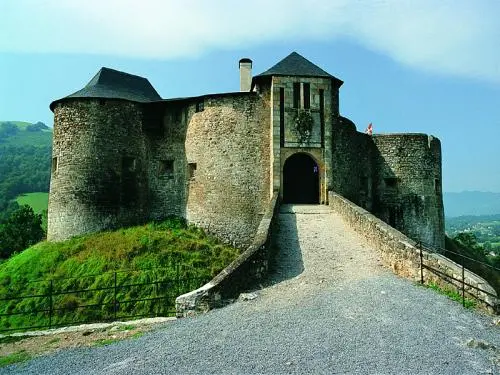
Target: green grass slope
(25,158)
(37,201)
(181,256)
(27,134)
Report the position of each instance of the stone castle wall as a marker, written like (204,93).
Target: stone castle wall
(120,164)
(165,135)
(227,151)
(99,177)
(407,185)
(318,145)
(216,159)
(402,255)
(352,167)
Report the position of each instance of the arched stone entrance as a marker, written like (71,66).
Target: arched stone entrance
(301,180)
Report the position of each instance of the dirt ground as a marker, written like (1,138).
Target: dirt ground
(33,344)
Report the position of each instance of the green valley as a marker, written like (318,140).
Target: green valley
(25,154)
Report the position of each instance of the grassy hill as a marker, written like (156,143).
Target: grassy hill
(184,257)
(27,134)
(25,157)
(37,201)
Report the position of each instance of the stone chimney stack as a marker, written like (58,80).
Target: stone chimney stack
(245,74)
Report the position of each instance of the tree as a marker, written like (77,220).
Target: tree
(22,229)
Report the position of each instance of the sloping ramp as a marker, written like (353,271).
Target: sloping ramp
(317,249)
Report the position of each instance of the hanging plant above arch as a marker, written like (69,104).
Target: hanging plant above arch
(303,124)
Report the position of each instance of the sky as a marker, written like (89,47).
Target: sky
(408,66)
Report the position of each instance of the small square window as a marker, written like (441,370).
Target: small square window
(391,182)
(192,168)
(128,164)
(166,168)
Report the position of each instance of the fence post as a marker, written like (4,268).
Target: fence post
(51,303)
(177,281)
(115,306)
(463,284)
(421,264)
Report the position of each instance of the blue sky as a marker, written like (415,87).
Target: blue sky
(407,66)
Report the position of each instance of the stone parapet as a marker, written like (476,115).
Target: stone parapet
(402,255)
(243,273)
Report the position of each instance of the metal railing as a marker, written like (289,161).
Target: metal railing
(94,298)
(465,287)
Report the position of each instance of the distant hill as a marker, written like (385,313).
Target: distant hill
(471,203)
(25,156)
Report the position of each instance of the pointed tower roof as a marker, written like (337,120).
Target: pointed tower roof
(297,65)
(114,84)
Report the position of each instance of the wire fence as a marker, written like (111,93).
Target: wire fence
(467,290)
(119,295)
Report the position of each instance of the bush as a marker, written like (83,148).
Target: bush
(21,230)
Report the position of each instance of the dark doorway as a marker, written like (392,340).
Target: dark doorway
(300,180)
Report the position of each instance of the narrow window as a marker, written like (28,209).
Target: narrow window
(128,164)
(54,165)
(200,106)
(437,186)
(391,182)
(166,168)
(322,115)
(282,117)
(307,96)
(192,168)
(296,95)
(177,115)
(392,217)
(364,183)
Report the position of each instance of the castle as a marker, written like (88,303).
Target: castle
(122,155)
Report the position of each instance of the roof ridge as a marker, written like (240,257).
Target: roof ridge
(296,65)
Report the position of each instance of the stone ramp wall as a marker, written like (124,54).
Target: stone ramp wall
(243,273)
(401,254)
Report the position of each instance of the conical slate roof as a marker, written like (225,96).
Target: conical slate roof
(297,65)
(114,84)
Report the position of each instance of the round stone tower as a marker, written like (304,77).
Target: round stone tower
(408,186)
(99,174)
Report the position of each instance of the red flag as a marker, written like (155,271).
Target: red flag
(369,129)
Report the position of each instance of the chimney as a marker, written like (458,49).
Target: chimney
(245,74)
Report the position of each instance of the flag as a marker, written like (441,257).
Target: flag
(369,129)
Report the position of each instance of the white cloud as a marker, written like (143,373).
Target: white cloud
(452,36)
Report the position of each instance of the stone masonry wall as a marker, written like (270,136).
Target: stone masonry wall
(99,169)
(245,272)
(401,254)
(408,185)
(352,163)
(314,146)
(227,151)
(167,163)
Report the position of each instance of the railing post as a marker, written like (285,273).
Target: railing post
(115,306)
(51,303)
(421,264)
(463,284)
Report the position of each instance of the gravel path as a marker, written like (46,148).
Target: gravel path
(330,309)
